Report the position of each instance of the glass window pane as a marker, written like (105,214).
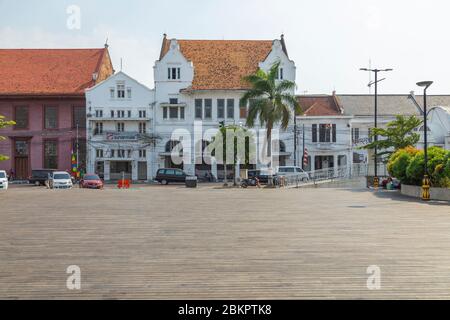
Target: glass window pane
(21,117)
(50,118)
(230,108)
(220,108)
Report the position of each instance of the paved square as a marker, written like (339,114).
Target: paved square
(173,242)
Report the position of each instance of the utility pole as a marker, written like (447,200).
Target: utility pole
(295,139)
(77,150)
(376,181)
(303,156)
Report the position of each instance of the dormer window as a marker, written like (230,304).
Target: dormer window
(120,90)
(174,73)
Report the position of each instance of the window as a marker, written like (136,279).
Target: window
(98,128)
(112,114)
(198,108)
(120,90)
(280,74)
(173,101)
(112,93)
(142,153)
(129,113)
(50,154)
(220,108)
(129,153)
(99,153)
(333,132)
(120,153)
(120,114)
(120,127)
(208,108)
(355,135)
(314,133)
(181,112)
(129,93)
(142,114)
(242,112)
(173,73)
(79,117)
(113,153)
(230,108)
(99,113)
(50,118)
(173,112)
(164,112)
(324,133)
(21,117)
(142,127)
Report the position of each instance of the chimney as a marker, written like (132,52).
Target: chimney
(95,76)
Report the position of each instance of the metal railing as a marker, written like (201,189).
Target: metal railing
(328,174)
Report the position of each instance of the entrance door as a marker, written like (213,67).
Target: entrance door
(142,170)
(21,159)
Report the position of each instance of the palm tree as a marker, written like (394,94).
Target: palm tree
(271,101)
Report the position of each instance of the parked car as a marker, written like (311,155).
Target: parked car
(40,176)
(3,180)
(60,180)
(292,171)
(166,176)
(91,181)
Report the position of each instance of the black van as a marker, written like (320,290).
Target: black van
(39,176)
(165,176)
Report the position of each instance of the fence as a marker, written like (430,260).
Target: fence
(329,174)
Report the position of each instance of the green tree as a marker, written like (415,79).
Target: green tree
(232,144)
(398,134)
(270,101)
(4,123)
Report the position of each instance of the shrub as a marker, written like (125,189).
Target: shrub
(399,161)
(415,169)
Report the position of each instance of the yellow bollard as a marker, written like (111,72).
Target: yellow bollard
(426,188)
(376,182)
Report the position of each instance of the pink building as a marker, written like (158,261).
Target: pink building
(42,90)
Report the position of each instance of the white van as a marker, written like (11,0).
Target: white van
(290,171)
(3,180)
(60,180)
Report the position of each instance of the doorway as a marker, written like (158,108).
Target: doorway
(142,170)
(21,159)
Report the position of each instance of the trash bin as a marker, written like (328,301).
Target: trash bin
(191,182)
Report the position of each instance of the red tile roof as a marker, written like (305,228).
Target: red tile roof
(48,71)
(221,64)
(319,105)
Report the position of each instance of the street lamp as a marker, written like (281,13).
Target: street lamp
(426,180)
(376,181)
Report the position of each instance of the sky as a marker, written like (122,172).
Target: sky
(329,40)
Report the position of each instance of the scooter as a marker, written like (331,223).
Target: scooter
(252,182)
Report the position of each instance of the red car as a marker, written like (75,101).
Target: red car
(91,181)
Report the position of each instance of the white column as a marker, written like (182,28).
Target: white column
(134,170)
(107,170)
(214,167)
(335,162)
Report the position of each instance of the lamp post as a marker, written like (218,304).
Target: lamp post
(376,181)
(426,180)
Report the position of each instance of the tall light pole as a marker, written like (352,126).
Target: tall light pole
(376,181)
(426,180)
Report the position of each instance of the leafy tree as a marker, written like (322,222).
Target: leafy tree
(4,123)
(415,169)
(398,134)
(399,161)
(232,141)
(270,101)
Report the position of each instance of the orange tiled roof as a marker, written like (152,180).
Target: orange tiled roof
(319,105)
(48,71)
(221,64)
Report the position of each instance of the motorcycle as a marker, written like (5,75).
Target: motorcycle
(250,182)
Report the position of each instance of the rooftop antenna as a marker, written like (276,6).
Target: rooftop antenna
(106,43)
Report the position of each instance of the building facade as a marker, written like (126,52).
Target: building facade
(120,129)
(42,90)
(324,134)
(198,83)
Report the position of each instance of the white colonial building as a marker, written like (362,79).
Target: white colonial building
(324,133)
(200,82)
(120,129)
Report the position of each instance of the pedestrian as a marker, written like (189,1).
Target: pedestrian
(11,174)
